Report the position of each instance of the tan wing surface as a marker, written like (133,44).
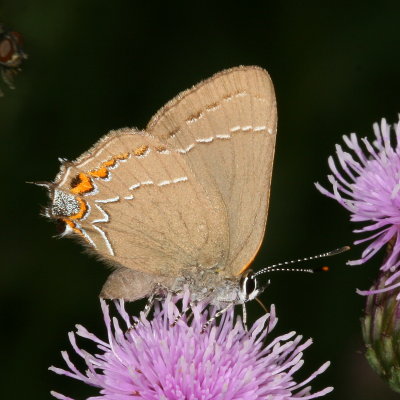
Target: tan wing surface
(145,209)
(225,128)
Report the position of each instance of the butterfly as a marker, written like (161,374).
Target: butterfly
(183,202)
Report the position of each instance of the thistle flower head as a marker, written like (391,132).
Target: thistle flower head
(159,361)
(367,183)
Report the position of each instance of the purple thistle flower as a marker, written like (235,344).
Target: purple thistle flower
(159,361)
(368,186)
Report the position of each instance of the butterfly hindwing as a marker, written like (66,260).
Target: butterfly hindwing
(226,129)
(142,206)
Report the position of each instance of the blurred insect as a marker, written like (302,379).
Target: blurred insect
(11,55)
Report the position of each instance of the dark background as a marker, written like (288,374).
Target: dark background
(95,66)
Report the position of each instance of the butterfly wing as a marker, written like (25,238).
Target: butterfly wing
(138,205)
(225,128)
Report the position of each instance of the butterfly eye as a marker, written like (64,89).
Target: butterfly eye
(60,226)
(249,287)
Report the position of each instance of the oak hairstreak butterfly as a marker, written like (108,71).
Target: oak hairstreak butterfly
(183,202)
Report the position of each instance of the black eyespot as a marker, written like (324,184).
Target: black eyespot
(60,226)
(250,285)
(75,181)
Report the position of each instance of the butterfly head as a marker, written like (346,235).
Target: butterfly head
(250,287)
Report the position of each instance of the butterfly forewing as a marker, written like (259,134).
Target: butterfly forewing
(142,207)
(225,127)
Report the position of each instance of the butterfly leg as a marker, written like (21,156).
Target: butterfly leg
(180,315)
(244,312)
(146,311)
(149,304)
(217,314)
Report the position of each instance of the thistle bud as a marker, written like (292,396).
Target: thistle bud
(381,331)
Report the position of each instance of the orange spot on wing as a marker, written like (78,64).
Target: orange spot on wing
(82,209)
(72,225)
(102,172)
(140,150)
(122,156)
(99,173)
(68,222)
(109,163)
(81,184)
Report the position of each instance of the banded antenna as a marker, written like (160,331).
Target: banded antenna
(283,266)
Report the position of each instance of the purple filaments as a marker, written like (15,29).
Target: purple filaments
(366,181)
(158,361)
